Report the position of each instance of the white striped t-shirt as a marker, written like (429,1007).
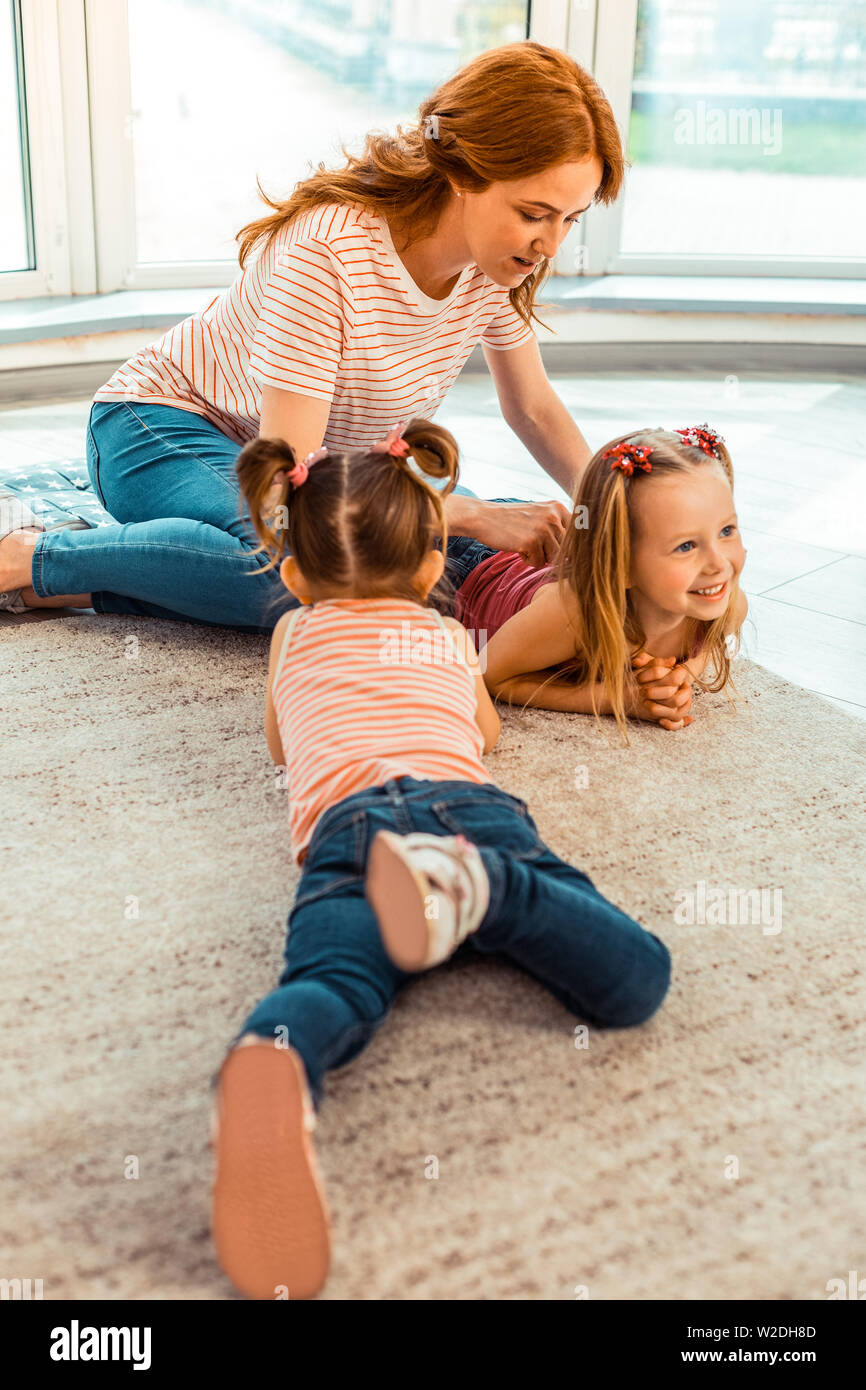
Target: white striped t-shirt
(328,310)
(364,690)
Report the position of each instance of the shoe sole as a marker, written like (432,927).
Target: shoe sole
(270,1214)
(397,894)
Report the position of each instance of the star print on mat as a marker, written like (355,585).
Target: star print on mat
(56,492)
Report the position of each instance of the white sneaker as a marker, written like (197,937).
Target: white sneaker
(428,893)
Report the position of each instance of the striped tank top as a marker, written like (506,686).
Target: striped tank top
(495,590)
(327,310)
(364,690)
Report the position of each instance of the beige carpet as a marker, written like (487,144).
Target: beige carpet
(139,780)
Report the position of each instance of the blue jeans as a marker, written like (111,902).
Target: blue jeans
(464,553)
(182,546)
(338,982)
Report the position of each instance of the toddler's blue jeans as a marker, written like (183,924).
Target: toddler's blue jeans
(546,916)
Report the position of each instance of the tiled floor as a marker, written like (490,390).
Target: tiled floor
(799,449)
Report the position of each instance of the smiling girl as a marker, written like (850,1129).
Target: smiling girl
(643,599)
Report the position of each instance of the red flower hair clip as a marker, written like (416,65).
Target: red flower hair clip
(702,437)
(629,456)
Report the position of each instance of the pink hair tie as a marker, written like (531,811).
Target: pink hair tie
(301,471)
(392,443)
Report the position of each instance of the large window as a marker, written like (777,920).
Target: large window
(274,88)
(747,130)
(132,132)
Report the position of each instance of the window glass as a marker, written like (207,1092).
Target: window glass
(748,129)
(224,90)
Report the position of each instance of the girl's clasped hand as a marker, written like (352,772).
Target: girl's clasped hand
(661,691)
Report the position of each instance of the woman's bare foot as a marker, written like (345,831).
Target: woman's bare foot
(16,566)
(34,600)
(16,557)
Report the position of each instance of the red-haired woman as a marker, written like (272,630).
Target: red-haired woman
(372,285)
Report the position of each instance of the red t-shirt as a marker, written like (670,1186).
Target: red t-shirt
(495,590)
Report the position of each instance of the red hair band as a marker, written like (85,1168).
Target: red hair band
(629,456)
(702,437)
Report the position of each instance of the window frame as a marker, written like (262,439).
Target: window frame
(110,85)
(43,77)
(82,171)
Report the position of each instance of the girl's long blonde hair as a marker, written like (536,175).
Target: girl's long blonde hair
(594,565)
(511,113)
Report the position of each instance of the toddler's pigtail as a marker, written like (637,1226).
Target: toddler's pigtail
(394,513)
(434,449)
(262,467)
